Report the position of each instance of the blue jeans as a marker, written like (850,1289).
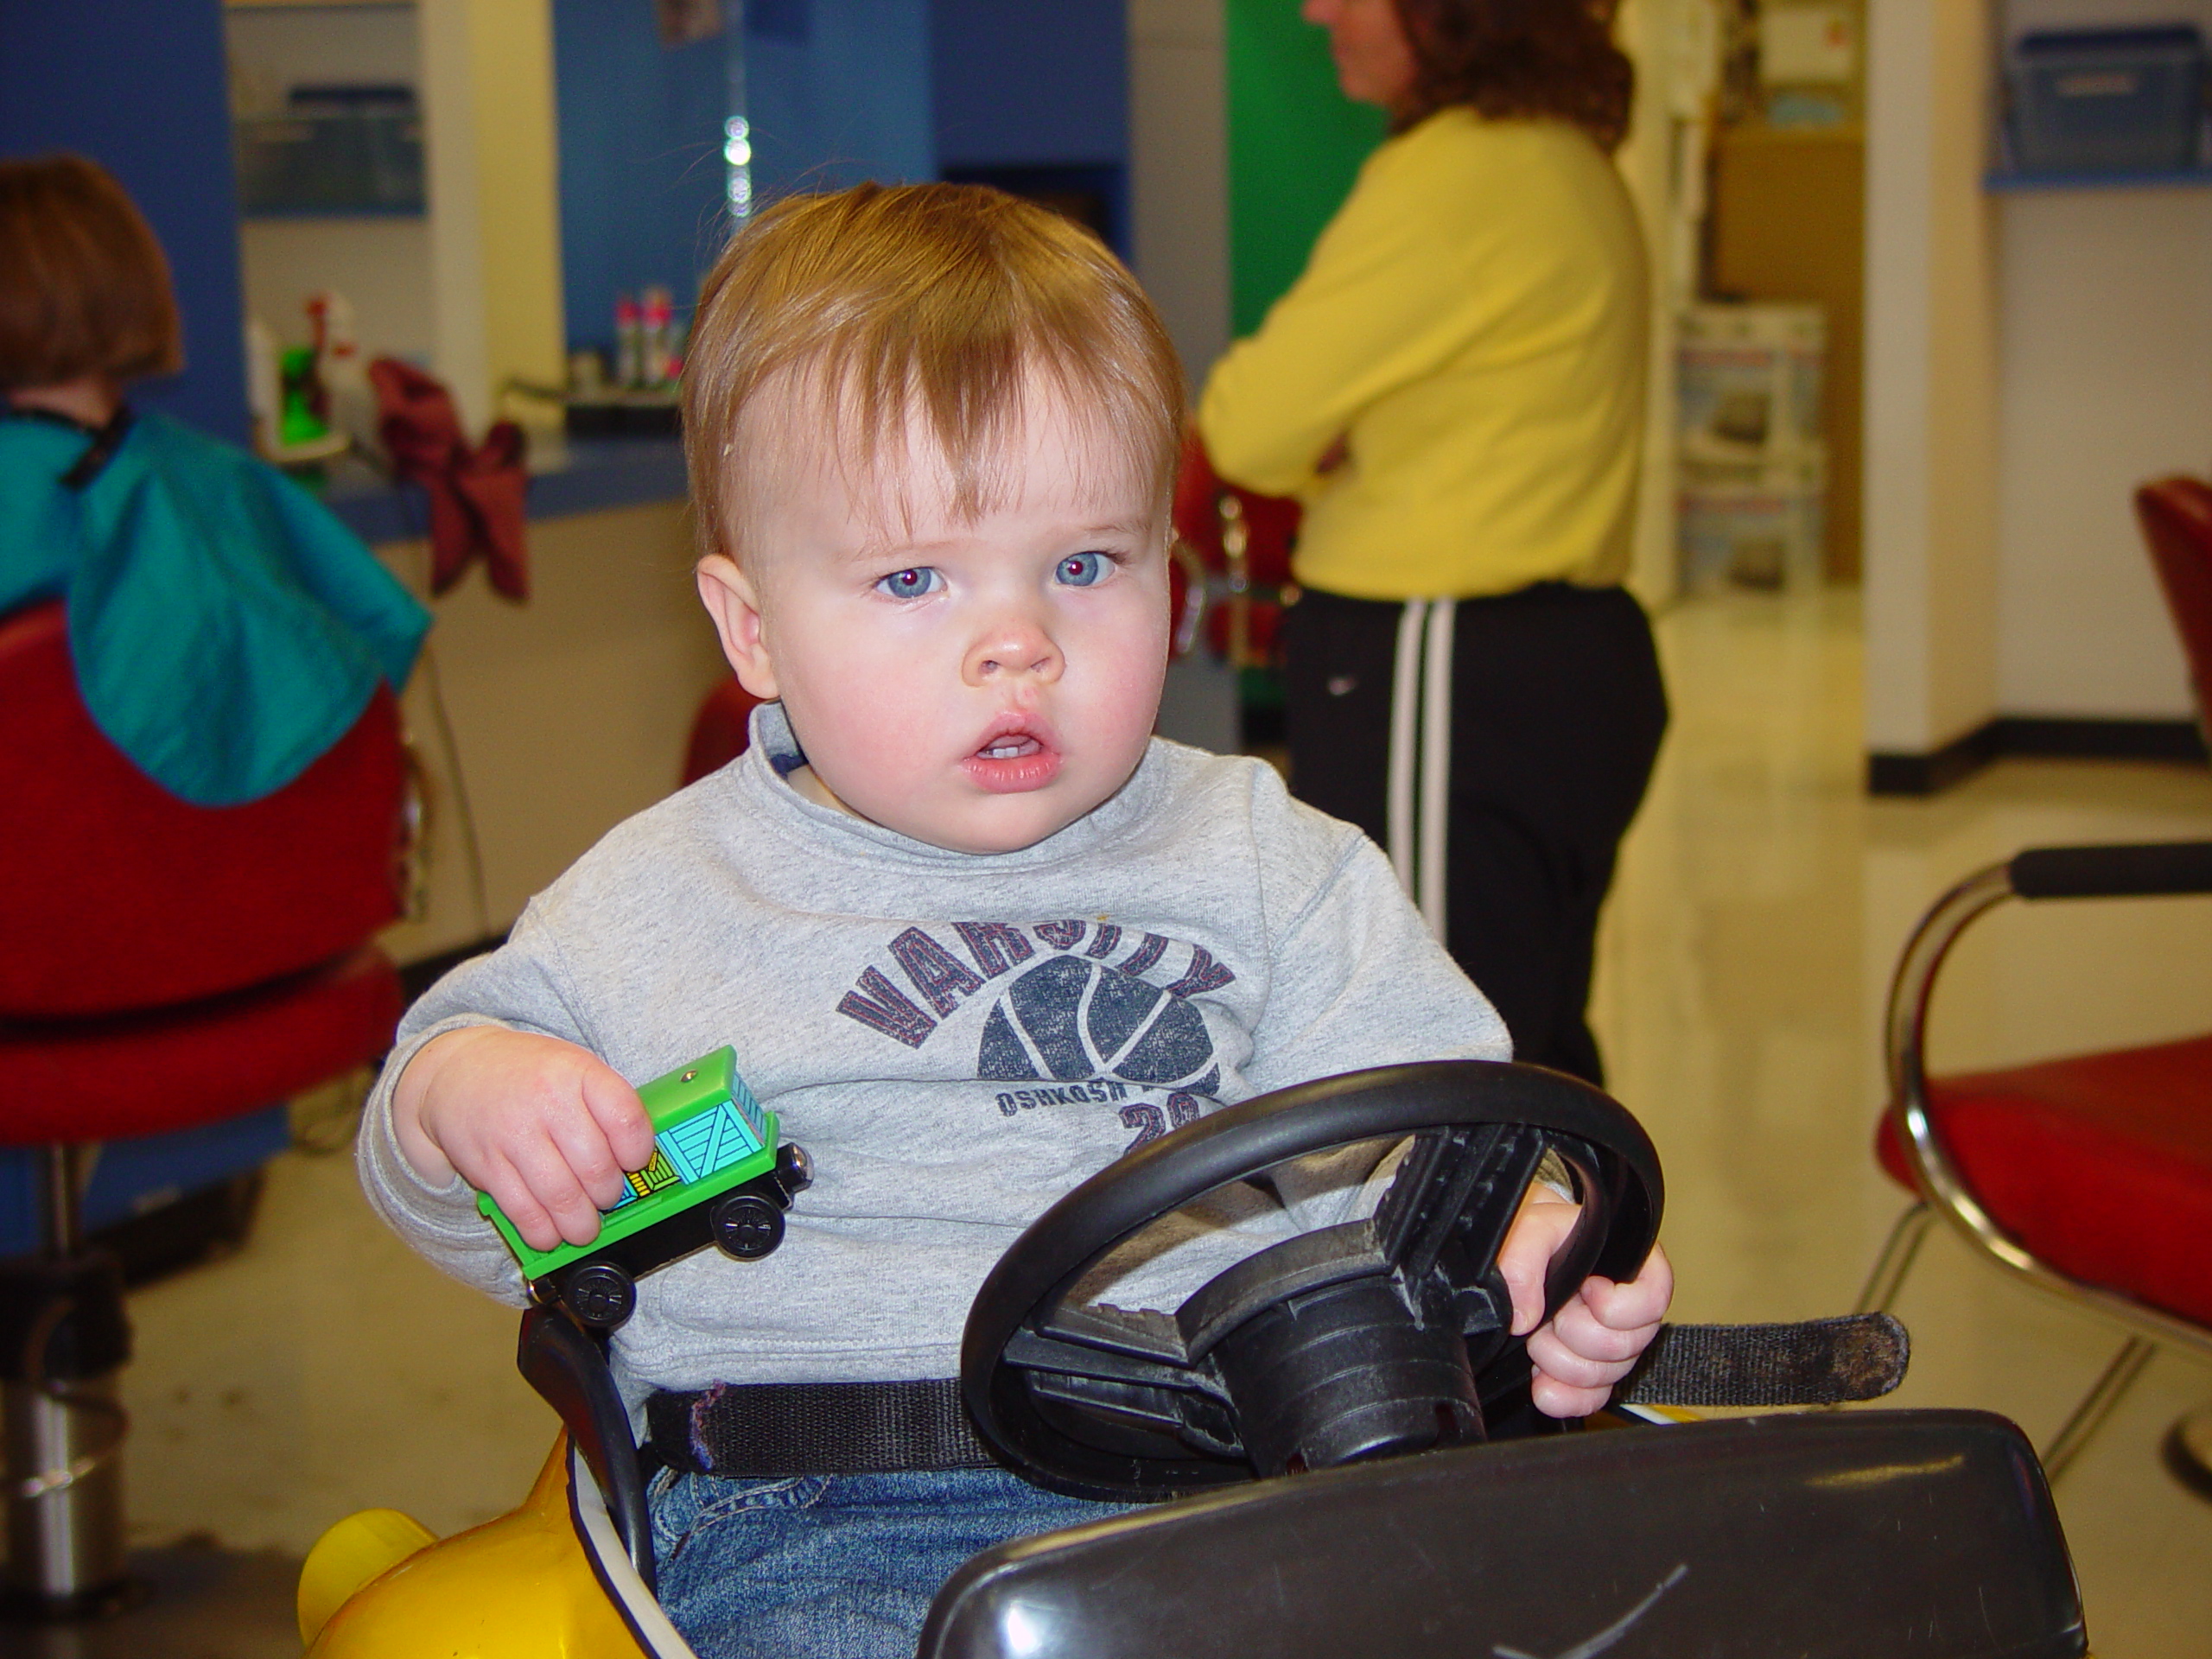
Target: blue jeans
(832,1567)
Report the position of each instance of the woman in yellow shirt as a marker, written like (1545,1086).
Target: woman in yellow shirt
(1455,390)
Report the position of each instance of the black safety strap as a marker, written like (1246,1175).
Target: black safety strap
(778,1430)
(775,1429)
(1814,1362)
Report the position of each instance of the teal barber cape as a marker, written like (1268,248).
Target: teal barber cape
(227,629)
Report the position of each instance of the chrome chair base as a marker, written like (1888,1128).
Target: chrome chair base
(1899,1252)
(2188,1451)
(2104,1395)
(64,1502)
(1902,1249)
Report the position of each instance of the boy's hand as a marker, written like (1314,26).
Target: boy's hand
(1598,1336)
(546,1128)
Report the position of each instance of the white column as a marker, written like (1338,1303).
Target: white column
(1931,378)
(1179,171)
(495,221)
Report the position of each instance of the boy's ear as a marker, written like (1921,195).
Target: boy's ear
(730,598)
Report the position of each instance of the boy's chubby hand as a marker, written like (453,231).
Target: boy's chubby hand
(1598,1336)
(545,1127)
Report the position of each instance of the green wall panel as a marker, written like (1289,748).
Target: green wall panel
(1294,144)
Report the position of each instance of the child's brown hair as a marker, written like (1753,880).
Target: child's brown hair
(83,286)
(939,300)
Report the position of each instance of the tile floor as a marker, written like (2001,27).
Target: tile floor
(1761,903)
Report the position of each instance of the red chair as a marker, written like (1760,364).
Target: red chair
(721,731)
(161,965)
(2091,1175)
(2176,514)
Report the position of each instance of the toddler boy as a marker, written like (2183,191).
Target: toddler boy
(972,930)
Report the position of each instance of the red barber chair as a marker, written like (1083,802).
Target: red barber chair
(721,730)
(2088,1175)
(2176,514)
(161,966)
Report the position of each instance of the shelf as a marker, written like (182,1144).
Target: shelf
(567,476)
(293,215)
(2010,183)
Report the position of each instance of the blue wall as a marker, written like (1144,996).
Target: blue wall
(1016,82)
(139,87)
(1034,98)
(642,175)
(838,91)
(835,91)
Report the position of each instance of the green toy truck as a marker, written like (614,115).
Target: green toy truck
(718,1176)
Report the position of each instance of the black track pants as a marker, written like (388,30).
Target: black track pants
(1496,748)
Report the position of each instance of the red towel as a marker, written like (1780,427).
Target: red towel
(476,493)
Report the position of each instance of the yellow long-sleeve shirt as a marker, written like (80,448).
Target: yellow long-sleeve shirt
(1473,323)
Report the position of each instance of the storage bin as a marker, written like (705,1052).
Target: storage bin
(333,150)
(1757,525)
(2107,100)
(1749,379)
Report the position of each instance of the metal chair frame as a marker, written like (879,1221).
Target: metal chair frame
(1945,1192)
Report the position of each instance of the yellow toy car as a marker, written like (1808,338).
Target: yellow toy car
(558,1577)
(1386,1523)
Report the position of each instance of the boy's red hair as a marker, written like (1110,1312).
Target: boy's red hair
(940,301)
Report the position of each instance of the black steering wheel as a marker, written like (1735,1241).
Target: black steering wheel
(1377,1336)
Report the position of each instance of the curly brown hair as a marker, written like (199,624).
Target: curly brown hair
(1519,59)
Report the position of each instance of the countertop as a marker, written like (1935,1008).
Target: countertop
(567,475)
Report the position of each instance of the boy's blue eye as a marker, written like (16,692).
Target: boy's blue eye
(910,584)
(1082,569)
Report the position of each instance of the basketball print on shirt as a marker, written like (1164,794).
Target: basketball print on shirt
(1105,1011)
(1068,1018)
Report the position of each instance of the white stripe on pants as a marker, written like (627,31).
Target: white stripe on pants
(1421,755)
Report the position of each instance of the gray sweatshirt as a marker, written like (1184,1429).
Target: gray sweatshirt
(957,1038)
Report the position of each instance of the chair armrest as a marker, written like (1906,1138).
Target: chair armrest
(2157,869)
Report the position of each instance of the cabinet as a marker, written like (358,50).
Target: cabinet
(420,185)
(325,109)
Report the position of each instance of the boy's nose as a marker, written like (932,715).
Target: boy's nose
(1015,647)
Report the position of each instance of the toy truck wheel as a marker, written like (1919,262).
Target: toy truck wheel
(747,1226)
(600,1294)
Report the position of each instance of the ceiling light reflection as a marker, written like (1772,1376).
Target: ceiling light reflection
(1024,1629)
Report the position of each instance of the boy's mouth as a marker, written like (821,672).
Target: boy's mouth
(1013,759)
